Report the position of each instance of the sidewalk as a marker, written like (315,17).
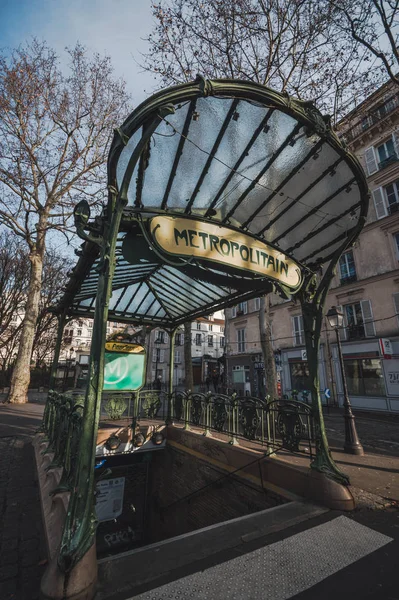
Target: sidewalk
(23,550)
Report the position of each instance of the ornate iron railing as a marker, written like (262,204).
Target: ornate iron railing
(280,424)
(62,422)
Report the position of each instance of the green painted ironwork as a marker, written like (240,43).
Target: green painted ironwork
(185,290)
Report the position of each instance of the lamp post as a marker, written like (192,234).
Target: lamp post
(352,445)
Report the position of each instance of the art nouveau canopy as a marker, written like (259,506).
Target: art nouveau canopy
(231,190)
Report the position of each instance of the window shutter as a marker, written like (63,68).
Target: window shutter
(379,203)
(371,163)
(233,311)
(162,356)
(154,355)
(166,338)
(343,331)
(368,322)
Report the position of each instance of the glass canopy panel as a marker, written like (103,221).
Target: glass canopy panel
(126,154)
(314,203)
(164,144)
(286,164)
(203,129)
(235,139)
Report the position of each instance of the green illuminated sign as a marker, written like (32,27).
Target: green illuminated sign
(124,367)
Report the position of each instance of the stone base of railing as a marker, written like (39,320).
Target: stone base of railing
(80,582)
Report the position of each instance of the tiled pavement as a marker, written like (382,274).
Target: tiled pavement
(23,552)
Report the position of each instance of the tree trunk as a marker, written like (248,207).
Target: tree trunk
(188,363)
(21,374)
(267,349)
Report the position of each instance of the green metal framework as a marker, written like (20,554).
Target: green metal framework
(237,155)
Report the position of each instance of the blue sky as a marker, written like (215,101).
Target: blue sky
(114,27)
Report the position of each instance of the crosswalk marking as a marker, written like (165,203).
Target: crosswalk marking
(280,570)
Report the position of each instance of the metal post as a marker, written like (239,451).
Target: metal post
(57,350)
(312,302)
(172,337)
(352,444)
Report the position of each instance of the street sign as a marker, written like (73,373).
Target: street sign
(304,355)
(124,367)
(327,393)
(386,348)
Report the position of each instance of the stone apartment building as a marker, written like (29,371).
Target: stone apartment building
(366,286)
(207,346)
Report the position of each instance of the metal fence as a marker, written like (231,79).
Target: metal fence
(279,424)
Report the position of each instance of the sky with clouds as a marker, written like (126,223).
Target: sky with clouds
(114,27)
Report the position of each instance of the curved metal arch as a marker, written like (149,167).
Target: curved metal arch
(304,112)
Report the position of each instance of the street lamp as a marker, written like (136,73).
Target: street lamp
(352,445)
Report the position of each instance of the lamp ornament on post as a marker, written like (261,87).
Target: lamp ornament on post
(352,445)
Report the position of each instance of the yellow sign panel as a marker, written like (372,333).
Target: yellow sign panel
(124,347)
(205,240)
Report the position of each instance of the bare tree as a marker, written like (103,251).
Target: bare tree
(14,278)
(54,134)
(373,25)
(55,276)
(293,46)
(267,347)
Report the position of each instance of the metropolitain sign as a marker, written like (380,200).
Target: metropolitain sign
(211,242)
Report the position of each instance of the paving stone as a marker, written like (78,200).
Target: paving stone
(8,572)
(8,589)
(9,558)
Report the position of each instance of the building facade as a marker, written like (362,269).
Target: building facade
(366,287)
(207,347)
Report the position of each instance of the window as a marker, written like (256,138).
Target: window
(198,339)
(299,376)
(90,324)
(210,340)
(241,340)
(257,303)
(13,318)
(221,339)
(379,157)
(364,376)
(158,355)
(177,356)
(359,320)
(242,308)
(160,337)
(297,328)
(210,328)
(198,325)
(347,270)
(79,332)
(221,329)
(179,339)
(233,312)
(386,152)
(386,199)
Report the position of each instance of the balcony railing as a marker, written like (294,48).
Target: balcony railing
(348,279)
(372,118)
(387,161)
(356,332)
